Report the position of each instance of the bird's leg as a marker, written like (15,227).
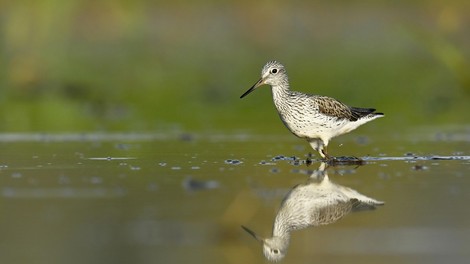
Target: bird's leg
(324,153)
(316,144)
(309,161)
(320,146)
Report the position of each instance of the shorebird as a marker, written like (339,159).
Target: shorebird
(316,118)
(316,202)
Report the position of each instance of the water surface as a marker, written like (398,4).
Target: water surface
(174,198)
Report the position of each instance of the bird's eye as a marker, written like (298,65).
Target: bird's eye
(274,71)
(275,251)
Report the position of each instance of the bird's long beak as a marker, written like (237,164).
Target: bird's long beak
(253,234)
(256,85)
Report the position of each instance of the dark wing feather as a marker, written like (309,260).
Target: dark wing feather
(361,112)
(358,206)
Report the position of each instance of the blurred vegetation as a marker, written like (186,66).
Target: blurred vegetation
(182,65)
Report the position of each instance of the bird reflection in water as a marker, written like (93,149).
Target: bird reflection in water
(316,202)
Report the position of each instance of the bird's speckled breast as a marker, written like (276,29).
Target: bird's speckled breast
(301,116)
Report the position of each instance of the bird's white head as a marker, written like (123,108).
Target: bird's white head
(273,73)
(274,248)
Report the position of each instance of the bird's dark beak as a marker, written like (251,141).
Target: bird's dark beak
(253,234)
(256,85)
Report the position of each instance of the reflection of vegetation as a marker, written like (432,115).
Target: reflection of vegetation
(120,65)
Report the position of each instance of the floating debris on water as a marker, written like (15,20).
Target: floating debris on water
(197,185)
(195,167)
(176,168)
(233,161)
(346,160)
(293,159)
(263,162)
(111,158)
(419,167)
(282,157)
(274,170)
(416,158)
(162,164)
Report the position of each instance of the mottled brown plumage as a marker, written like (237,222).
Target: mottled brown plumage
(316,118)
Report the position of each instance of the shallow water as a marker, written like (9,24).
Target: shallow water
(146,198)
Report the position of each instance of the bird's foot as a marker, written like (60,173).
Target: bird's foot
(325,157)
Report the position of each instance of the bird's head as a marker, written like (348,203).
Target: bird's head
(273,73)
(274,248)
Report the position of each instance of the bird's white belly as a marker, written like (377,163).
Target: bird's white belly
(316,126)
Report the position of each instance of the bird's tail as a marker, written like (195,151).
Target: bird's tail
(362,112)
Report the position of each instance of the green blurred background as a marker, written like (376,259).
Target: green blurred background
(181,65)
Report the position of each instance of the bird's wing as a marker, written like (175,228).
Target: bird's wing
(332,107)
(332,212)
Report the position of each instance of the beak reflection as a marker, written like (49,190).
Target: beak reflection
(253,234)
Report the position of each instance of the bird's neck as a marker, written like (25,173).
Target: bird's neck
(280,93)
(284,234)
(281,89)
(281,227)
